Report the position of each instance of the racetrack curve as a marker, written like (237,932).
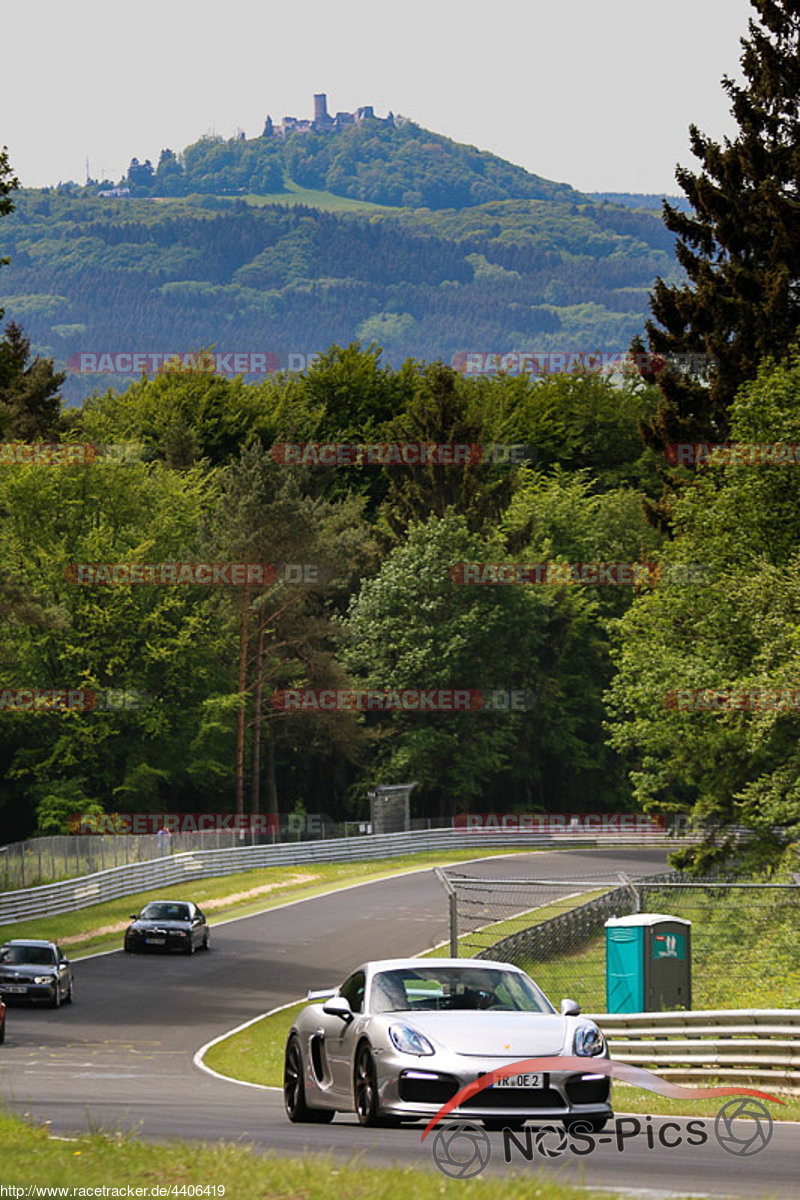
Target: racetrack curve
(121,1056)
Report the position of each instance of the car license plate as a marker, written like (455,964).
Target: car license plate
(16,988)
(155,941)
(527,1080)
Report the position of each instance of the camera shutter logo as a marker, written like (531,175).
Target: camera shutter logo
(743,1127)
(461,1151)
(551,1151)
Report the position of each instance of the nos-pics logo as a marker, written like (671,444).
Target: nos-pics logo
(743,1126)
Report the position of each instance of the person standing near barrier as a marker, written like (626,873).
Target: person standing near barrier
(163,841)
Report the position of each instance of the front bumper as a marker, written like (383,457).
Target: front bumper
(419,1088)
(34,993)
(155,942)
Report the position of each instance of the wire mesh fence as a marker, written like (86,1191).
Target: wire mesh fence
(50,859)
(744,932)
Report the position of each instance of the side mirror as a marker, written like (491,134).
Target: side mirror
(337,1006)
(134,916)
(570,1008)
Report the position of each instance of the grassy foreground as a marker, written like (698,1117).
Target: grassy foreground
(30,1157)
(243,894)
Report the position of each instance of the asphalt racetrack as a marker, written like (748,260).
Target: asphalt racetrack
(121,1057)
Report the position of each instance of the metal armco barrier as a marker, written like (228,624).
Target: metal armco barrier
(72,894)
(755,1047)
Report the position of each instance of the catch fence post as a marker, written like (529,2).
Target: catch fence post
(453,909)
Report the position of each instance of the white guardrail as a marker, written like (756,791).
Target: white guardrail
(754,1047)
(72,894)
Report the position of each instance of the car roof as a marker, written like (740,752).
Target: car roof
(149,902)
(28,942)
(394,964)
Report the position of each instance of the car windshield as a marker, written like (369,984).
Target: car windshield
(27,956)
(412,989)
(162,911)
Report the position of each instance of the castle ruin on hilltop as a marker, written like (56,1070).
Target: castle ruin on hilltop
(323,122)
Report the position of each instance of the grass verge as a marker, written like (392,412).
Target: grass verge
(636,1100)
(255,1055)
(100,927)
(32,1158)
(470,944)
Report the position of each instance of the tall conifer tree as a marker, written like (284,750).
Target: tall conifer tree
(740,246)
(8,184)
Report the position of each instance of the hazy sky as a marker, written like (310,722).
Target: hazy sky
(596,93)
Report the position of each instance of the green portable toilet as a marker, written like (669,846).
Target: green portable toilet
(648,963)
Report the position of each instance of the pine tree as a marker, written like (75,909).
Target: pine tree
(740,246)
(8,184)
(30,403)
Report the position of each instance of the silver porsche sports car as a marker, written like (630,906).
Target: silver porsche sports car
(401,1037)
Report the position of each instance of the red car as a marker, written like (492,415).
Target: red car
(2,1021)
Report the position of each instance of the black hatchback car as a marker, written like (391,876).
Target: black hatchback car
(35,971)
(168,925)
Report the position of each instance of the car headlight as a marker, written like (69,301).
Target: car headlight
(589,1041)
(408,1041)
(43,979)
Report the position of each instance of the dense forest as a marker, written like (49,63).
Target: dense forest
(90,274)
(382,610)
(206,488)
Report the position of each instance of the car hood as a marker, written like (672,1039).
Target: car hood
(9,971)
(490,1034)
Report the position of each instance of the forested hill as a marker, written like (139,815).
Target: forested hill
(394,236)
(404,167)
